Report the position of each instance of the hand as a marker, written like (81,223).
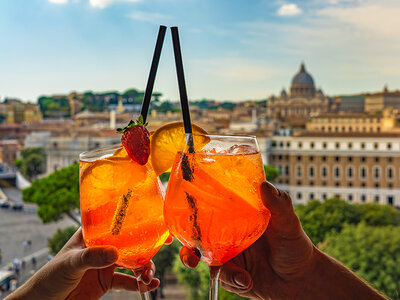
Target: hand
(77,272)
(275,266)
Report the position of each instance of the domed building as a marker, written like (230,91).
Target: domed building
(303,101)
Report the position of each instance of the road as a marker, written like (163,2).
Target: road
(19,226)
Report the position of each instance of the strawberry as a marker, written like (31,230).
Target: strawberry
(136,140)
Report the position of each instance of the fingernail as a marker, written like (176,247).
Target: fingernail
(185,260)
(271,187)
(150,275)
(241,279)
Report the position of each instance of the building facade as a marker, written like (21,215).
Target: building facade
(357,168)
(303,101)
(376,102)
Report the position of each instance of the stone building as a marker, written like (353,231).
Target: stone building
(303,101)
(16,111)
(358,167)
(376,102)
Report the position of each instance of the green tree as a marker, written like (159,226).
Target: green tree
(322,218)
(60,237)
(56,195)
(32,162)
(271,173)
(372,252)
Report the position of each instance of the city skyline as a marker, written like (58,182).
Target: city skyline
(231,51)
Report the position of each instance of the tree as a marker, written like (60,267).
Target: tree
(60,238)
(322,218)
(32,162)
(373,253)
(56,195)
(271,173)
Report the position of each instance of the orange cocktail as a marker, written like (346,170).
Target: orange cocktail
(121,205)
(213,200)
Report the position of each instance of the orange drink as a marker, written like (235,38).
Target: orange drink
(213,200)
(121,205)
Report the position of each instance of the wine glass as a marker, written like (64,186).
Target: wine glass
(213,201)
(122,206)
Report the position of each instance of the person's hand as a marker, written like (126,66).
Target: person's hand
(275,266)
(83,273)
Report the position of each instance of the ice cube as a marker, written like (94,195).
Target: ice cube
(207,160)
(242,149)
(218,150)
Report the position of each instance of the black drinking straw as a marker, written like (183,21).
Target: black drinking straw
(153,72)
(182,86)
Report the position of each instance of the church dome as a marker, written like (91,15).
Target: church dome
(302,84)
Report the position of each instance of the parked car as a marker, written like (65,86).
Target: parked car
(17,206)
(4,203)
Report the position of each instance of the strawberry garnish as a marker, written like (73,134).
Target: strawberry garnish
(136,140)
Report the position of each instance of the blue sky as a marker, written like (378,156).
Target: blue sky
(232,49)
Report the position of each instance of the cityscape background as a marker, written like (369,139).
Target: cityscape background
(318,84)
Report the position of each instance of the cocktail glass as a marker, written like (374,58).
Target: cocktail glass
(122,206)
(213,202)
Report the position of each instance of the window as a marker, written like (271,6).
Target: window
(298,158)
(363,159)
(323,158)
(390,159)
(390,172)
(311,196)
(324,171)
(329,128)
(376,159)
(312,145)
(299,171)
(323,128)
(343,129)
(323,183)
(337,145)
(311,171)
(337,184)
(350,158)
(390,200)
(363,184)
(337,172)
(350,172)
(311,183)
(281,144)
(299,182)
(378,129)
(337,158)
(350,197)
(279,157)
(377,185)
(389,146)
(299,195)
(375,145)
(288,144)
(363,198)
(311,158)
(350,184)
(363,172)
(272,157)
(273,144)
(336,129)
(324,145)
(376,198)
(350,145)
(324,196)
(286,170)
(376,172)
(300,144)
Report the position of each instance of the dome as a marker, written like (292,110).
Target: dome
(302,84)
(302,77)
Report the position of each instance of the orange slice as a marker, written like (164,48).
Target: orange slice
(168,140)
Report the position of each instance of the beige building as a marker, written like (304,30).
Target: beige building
(8,151)
(388,121)
(356,167)
(303,101)
(16,111)
(376,102)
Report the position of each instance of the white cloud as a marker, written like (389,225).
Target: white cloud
(154,18)
(59,1)
(105,3)
(289,9)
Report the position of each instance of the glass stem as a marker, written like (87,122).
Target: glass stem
(145,295)
(214,282)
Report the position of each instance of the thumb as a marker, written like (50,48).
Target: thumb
(283,217)
(94,258)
